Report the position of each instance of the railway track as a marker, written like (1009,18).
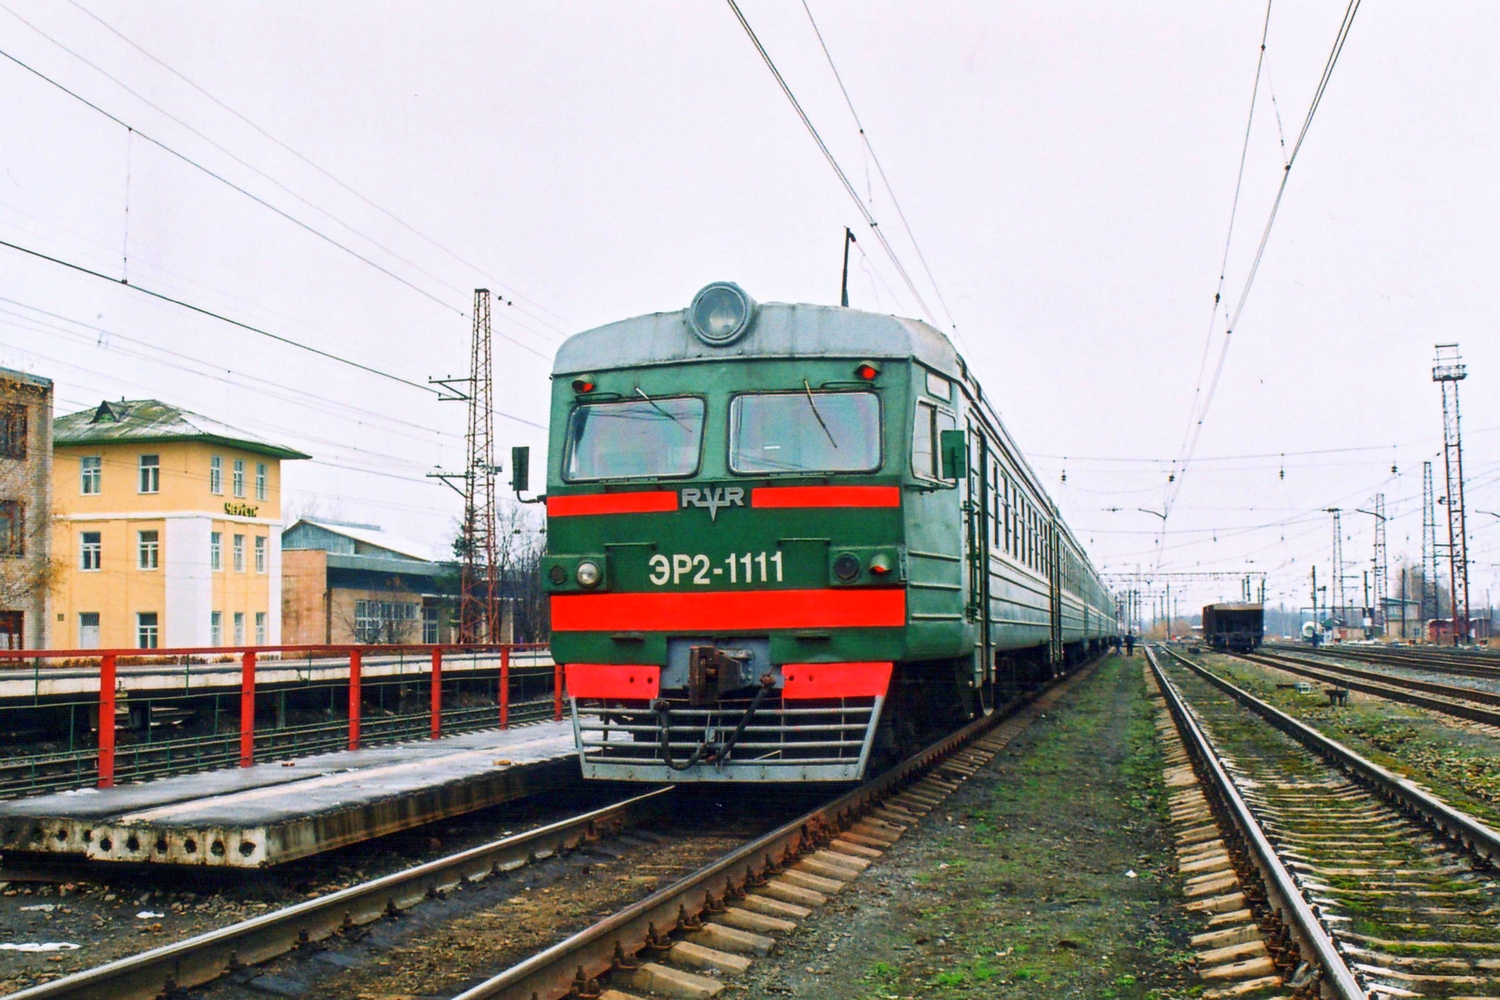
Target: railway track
(710,919)
(1430,658)
(1461,702)
(1385,890)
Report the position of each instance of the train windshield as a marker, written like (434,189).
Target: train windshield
(634,438)
(805,432)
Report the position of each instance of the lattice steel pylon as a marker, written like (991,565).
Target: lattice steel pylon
(479,604)
(1379,569)
(1448,370)
(1336,582)
(1429,595)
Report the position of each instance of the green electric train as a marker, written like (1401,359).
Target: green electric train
(786,540)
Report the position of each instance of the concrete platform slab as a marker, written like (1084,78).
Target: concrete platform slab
(272,813)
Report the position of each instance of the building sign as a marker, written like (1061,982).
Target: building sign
(240,509)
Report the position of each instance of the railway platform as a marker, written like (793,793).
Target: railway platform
(271,813)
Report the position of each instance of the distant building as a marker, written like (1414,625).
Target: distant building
(1440,630)
(25,510)
(354,583)
(167,529)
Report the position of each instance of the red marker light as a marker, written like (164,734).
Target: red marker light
(866,371)
(582,385)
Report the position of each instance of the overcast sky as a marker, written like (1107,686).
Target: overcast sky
(1067,169)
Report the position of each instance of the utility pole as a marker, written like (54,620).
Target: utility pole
(1429,596)
(1448,370)
(1315,603)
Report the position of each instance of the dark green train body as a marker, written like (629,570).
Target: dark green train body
(764,566)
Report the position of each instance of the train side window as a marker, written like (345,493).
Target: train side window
(939,387)
(926,433)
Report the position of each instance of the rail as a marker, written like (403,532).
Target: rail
(1452,700)
(569,967)
(521,676)
(1457,825)
(163,971)
(1308,928)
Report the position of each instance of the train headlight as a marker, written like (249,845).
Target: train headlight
(721,313)
(558,576)
(588,574)
(846,566)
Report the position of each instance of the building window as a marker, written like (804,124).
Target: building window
(239,553)
(150,474)
(260,553)
(383,621)
(88,630)
(260,480)
(429,623)
(147,631)
(216,628)
(93,551)
(90,475)
(13,431)
(215,551)
(150,549)
(216,474)
(12,528)
(239,628)
(239,477)
(260,628)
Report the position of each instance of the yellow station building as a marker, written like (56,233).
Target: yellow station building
(166,530)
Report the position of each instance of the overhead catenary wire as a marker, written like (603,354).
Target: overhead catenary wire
(213,315)
(220,373)
(1234,206)
(1333,57)
(833,162)
(511,293)
(249,327)
(880,169)
(229,183)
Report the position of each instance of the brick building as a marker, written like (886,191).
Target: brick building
(25,510)
(354,583)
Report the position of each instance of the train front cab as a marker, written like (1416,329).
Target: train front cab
(742,605)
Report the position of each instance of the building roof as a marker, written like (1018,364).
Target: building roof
(358,539)
(778,330)
(10,374)
(139,421)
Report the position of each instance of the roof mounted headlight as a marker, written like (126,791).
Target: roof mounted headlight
(721,313)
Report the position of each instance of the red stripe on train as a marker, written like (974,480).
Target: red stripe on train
(835,680)
(612,680)
(729,610)
(825,496)
(639,502)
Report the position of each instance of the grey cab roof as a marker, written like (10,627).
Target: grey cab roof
(779,330)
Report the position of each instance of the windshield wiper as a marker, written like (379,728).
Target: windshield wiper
(661,409)
(821,424)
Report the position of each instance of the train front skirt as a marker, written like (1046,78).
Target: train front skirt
(784,740)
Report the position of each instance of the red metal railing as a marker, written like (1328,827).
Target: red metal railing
(109,662)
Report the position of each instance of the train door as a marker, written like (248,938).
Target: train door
(976,509)
(1054,588)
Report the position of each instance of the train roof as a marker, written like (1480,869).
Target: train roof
(778,330)
(1233,607)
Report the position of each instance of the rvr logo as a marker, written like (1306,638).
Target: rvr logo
(713,498)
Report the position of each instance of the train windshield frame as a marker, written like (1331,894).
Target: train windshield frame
(660,437)
(806,432)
